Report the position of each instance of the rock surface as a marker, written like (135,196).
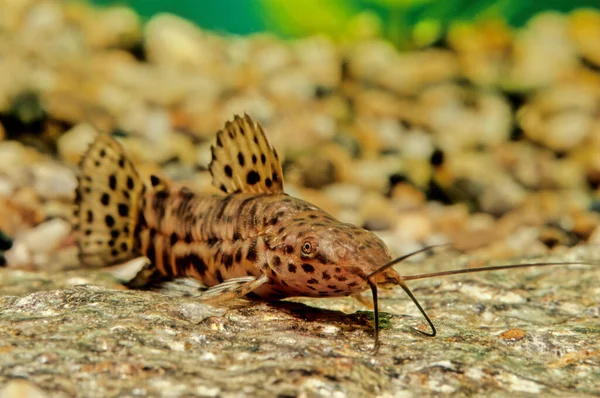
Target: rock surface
(79,333)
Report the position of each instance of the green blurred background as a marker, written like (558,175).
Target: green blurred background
(418,22)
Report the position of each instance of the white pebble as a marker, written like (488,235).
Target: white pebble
(6,187)
(73,144)
(44,18)
(566,130)
(21,389)
(515,383)
(291,85)
(47,236)
(347,195)
(252,103)
(53,181)
(413,226)
(19,255)
(12,156)
(175,42)
(417,144)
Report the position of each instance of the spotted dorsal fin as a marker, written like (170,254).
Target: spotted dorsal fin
(243,160)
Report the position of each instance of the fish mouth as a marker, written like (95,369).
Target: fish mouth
(371,280)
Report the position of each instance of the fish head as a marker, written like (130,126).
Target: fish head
(318,255)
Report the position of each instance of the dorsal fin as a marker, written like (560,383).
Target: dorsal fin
(243,160)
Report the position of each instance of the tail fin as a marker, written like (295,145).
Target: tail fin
(107,205)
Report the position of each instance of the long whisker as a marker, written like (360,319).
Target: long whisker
(404,287)
(376,312)
(493,268)
(402,279)
(402,258)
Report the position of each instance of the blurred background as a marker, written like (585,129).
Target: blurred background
(476,122)
(404,22)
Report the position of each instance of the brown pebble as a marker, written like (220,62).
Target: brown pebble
(513,334)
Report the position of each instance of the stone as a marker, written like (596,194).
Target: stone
(114,27)
(319,57)
(73,143)
(170,335)
(174,42)
(21,388)
(584,29)
(54,181)
(543,52)
(6,187)
(45,237)
(12,156)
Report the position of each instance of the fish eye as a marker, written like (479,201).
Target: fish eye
(309,247)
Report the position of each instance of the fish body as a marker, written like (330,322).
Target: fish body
(214,238)
(255,240)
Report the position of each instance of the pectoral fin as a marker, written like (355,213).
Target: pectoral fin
(233,288)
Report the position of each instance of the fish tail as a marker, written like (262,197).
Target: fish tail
(107,205)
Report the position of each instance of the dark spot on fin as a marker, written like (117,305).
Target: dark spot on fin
(239,142)
(107,208)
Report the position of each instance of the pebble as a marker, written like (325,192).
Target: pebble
(290,86)
(513,334)
(116,27)
(377,212)
(406,197)
(6,187)
(483,49)
(584,30)
(347,195)
(417,144)
(12,156)
(53,180)
(543,52)
(559,118)
(319,57)
(413,71)
(253,103)
(501,195)
(196,313)
(413,227)
(373,174)
(369,60)
(46,237)
(268,55)
(74,142)
(173,42)
(18,256)
(21,389)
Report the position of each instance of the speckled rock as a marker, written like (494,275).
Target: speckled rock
(501,333)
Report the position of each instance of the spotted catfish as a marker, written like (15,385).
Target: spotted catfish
(269,243)
(253,241)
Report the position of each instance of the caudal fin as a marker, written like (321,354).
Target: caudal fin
(107,205)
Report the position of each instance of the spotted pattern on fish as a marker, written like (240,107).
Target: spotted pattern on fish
(255,237)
